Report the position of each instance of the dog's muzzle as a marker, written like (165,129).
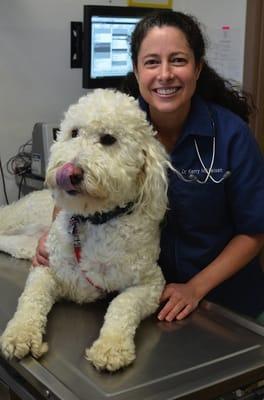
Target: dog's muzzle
(68,177)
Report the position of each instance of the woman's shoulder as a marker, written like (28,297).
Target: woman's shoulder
(228,123)
(235,135)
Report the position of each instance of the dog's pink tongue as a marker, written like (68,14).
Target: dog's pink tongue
(63,176)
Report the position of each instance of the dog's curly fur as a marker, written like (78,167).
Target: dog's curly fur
(23,222)
(127,167)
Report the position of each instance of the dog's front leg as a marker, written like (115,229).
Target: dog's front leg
(24,331)
(115,346)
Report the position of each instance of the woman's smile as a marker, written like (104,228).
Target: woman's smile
(166,71)
(167,91)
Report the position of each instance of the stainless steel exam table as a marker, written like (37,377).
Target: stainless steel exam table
(210,353)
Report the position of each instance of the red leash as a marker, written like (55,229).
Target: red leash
(74,224)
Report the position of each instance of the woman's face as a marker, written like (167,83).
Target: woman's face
(166,71)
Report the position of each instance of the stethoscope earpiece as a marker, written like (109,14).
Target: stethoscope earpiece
(226,174)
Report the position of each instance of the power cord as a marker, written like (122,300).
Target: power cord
(22,181)
(3,181)
(20,164)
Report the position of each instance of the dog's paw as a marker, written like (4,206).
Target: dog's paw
(19,339)
(111,353)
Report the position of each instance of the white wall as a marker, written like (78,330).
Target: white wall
(37,83)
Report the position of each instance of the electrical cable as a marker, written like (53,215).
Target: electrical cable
(3,182)
(22,180)
(20,164)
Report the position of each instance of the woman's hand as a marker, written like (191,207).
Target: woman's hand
(42,256)
(181,301)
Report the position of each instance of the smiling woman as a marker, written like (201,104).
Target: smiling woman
(167,76)
(215,223)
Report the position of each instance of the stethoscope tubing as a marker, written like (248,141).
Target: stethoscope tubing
(194,179)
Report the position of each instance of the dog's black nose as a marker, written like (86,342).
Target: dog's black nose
(76,176)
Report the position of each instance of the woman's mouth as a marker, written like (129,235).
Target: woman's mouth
(167,91)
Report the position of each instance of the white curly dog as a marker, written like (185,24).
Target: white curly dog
(107,173)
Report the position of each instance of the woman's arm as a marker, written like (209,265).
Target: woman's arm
(42,256)
(56,211)
(182,299)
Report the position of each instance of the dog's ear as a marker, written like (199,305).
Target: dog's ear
(153,180)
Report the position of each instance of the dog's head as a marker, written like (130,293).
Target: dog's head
(106,156)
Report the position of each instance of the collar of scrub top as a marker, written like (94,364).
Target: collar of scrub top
(199,122)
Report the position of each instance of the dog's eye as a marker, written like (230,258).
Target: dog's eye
(107,139)
(74,133)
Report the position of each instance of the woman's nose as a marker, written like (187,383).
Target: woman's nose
(165,72)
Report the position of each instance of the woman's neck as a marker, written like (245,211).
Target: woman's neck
(168,126)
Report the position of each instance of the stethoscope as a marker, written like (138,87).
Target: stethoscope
(194,179)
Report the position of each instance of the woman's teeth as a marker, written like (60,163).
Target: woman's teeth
(166,91)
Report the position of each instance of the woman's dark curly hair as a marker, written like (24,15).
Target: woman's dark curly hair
(210,85)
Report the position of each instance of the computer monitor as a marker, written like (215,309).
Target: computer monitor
(106,44)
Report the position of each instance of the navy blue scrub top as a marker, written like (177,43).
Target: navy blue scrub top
(203,218)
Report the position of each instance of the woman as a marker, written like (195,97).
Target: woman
(215,223)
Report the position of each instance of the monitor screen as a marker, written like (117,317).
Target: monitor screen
(106,51)
(110,45)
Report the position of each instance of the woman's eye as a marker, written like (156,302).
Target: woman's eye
(179,60)
(107,139)
(151,62)
(74,133)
